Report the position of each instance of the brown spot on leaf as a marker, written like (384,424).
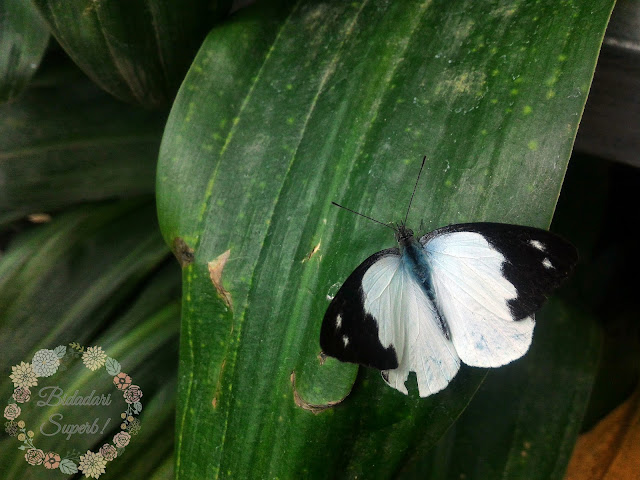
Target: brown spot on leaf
(322,357)
(215,272)
(183,252)
(214,402)
(39,218)
(464,83)
(302,403)
(312,252)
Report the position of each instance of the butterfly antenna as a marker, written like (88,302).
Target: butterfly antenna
(424,159)
(358,213)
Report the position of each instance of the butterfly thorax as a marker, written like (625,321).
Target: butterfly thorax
(404,236)
(415,259)
(413,254)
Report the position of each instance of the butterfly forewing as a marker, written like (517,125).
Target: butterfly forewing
(536,261)
(382,317)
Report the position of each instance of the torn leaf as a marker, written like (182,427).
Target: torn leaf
(183,252)
(215,272)
(302,403)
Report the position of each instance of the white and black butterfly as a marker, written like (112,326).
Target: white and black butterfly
(464,292)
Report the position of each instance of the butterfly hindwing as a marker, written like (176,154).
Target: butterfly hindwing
(348,332)
(393,314)
(408,320)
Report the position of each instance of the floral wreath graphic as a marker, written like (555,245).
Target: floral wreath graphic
(44,364)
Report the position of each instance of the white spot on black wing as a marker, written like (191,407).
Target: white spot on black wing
(338,321)
(345,340)
(537,244)
(547,263)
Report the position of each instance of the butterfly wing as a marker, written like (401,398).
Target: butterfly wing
(488,280)
(350,333)
(382,317)
(426,350)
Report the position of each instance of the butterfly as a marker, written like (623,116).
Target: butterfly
(462,293)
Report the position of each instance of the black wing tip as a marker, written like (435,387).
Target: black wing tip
(537,261)
(559,246)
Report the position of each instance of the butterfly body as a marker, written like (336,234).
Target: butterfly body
(463,293)
(415,259)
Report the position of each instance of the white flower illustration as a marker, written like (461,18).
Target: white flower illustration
(45,363)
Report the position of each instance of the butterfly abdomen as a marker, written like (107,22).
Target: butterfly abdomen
(414,256)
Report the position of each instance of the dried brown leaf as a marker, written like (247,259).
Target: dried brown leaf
(611,450)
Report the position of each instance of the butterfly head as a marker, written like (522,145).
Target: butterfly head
(404,235)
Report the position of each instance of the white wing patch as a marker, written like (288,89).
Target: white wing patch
(473,296)
(407,320)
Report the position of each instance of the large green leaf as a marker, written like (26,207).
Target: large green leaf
(598,198)
(324,101)
(96,275)
(66,141)
(137,51)
(67,276)
(23,40)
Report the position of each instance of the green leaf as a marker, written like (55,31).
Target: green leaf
(68,467)
(340,101)
(112,366)
(60,351)
(598,197)
(525,418)
(137,407)
(37,266)
(97,274)
(136,51)
(23,41)
(58,149)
